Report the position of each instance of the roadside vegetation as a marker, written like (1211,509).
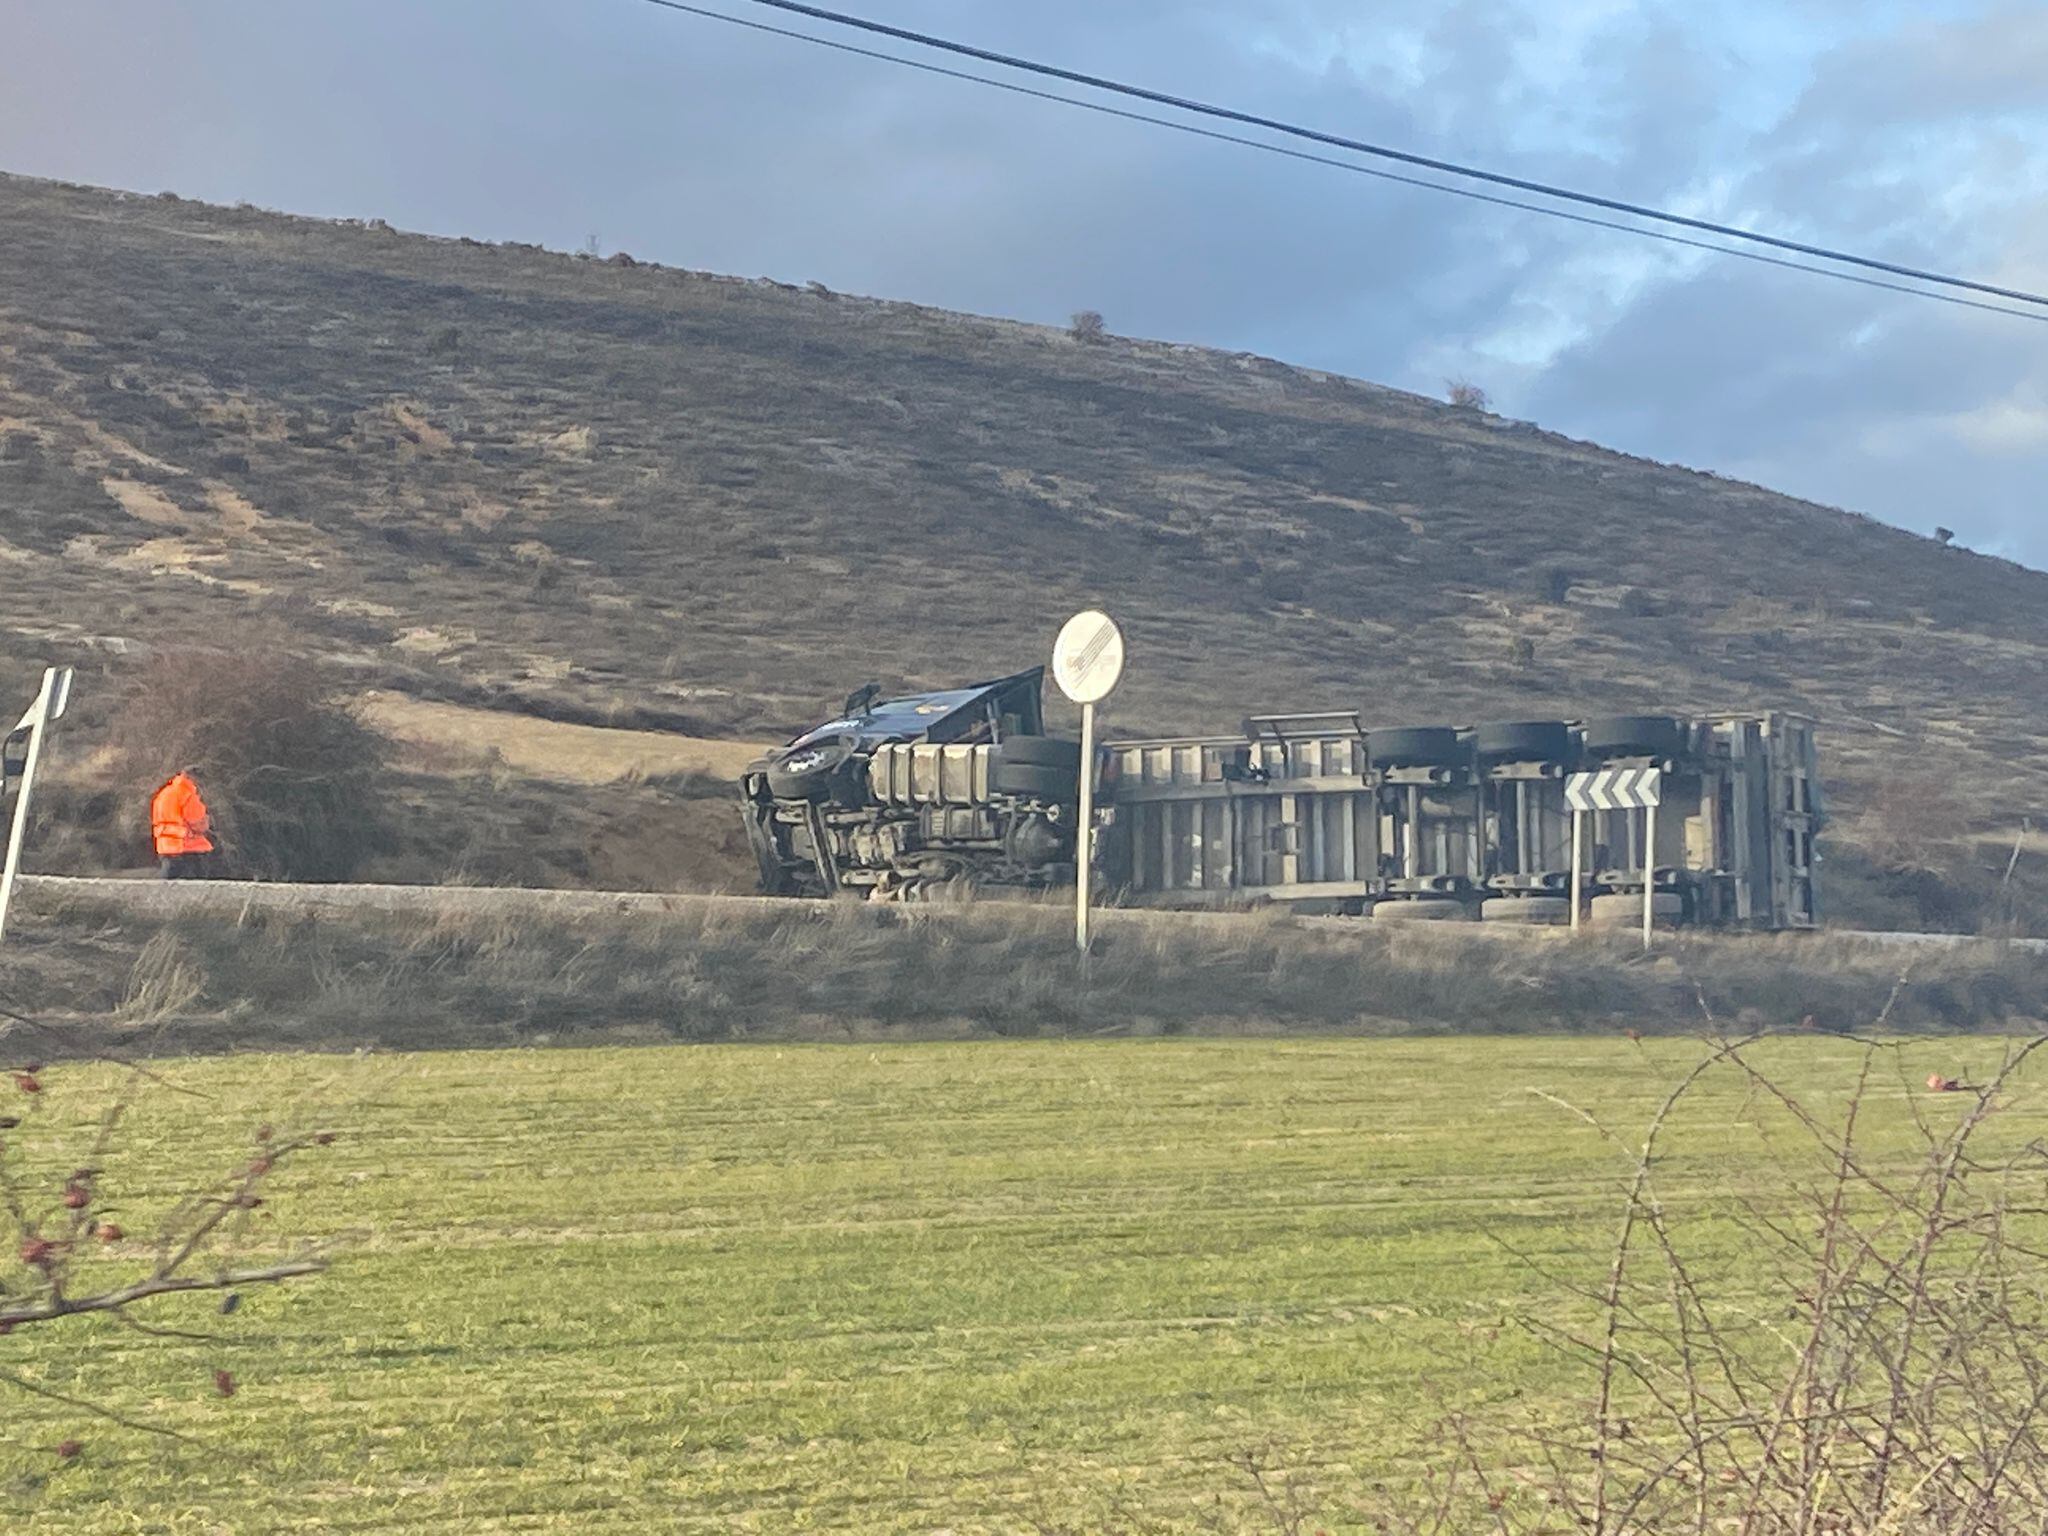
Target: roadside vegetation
(295,780)
(327,978)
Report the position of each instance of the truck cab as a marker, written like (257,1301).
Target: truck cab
(917,796)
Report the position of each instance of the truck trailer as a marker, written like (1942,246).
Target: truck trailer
(1469,823)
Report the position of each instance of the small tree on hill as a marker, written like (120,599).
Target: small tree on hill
(295,782)
(1635,603)
(1088,325)
(1466,396)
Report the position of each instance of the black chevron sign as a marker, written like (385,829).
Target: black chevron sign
(1614,789)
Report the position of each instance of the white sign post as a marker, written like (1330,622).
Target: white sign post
(1578,866)
(1087,661)
(1618,789)
(49,705)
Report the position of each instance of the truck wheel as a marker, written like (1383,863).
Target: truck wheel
(1035,781)
(1043,751)
(806,773)
(1524,741)
(1631,736)
(1414,746)
(1621,909)
(1531,910)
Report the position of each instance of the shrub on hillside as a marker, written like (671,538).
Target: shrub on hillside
(1466,395)
(1283,585)
(295,782)
(1914,823)
(1910,841)
(1088,325)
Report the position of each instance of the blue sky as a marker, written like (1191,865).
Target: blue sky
(1916,132)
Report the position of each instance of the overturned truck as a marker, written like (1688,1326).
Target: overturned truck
(963,790)
(907,798)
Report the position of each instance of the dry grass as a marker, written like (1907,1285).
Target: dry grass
(747,970)
(550,749)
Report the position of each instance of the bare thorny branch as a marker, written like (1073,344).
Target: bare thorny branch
(1892,1381)
(74,1259)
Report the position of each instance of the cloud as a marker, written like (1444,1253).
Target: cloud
(1905,145)
(2017,424)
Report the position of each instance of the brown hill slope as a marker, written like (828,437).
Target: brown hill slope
(632,494)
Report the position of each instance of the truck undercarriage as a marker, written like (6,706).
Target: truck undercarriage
(928,795)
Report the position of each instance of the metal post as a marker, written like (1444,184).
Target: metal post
(38,720)
(1084,836)
(1411,841)
(1649,869)
(1578,847)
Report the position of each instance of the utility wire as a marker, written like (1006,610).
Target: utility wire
(1352,166)
(1381,151)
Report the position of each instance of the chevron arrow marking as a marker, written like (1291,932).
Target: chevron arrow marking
(1614,789)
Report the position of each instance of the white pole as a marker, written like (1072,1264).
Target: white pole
(1084,837)
(1578,848)
(1649,869)
(39,718)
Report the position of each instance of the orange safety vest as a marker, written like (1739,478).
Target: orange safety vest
(178,819)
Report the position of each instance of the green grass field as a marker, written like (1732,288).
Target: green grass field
(989,1286)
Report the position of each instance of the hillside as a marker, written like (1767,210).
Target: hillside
(612,493)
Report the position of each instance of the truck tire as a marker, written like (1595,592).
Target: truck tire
(1623,909)
(1631,736)
(1035,781)
(1414,746)
(1524,741)
(1424,910)
(1042,751)
(806,773)
(1530,910)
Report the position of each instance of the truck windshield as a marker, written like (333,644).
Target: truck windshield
(899,719)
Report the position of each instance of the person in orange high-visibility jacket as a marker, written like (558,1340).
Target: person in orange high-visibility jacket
(182,829)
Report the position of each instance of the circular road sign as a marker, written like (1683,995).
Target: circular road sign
(1088,657)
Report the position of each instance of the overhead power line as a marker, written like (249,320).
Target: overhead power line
(1383,152)
(1359,146)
